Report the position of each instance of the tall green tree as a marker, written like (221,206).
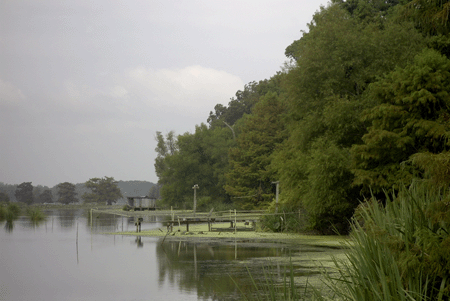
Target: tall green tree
(244,101)
(103,190)
(24,193)
(201,158)
(250,179)
(411,117)
(66,193)
(166,146)
(46,196)
(343,52)
(430,17)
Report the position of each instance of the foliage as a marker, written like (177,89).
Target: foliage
(205,204)
(66,193)
(46,196)
(430,17)
(244,101)
(9,190)
(103,190)
(250,179)
(4,198)
(344,51)
(400,251)
(24,193)
(155,192)
(287,219)
(410,117)
(2,212)
(35,214)
(165,147)
(9,212)
(200,158)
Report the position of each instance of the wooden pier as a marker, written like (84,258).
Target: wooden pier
(248,218)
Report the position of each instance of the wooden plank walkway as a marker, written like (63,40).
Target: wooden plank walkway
(210,221)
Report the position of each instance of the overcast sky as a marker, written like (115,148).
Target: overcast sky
(85,85)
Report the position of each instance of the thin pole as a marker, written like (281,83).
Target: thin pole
(77,244)
(276,194)
(235,221)
(195,197)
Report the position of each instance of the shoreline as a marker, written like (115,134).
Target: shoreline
(200,232)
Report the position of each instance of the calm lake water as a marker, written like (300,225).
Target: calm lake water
(64,258)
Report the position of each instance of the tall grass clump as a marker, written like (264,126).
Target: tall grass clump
(12,212)
(35,214)
(399,251)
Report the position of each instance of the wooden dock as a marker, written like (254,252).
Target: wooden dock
(246,217)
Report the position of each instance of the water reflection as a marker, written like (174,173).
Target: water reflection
(139,242)
(66,218)
(210,269)
(9,226)
(66,246)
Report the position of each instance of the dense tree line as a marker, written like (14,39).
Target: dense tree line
(96,190)
(361,107)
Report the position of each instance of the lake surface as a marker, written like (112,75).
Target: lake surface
(64,258)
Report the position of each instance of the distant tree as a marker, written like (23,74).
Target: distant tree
(249,179)
(102,190)
(154,192)
(37,190)
(46,196)
(165,147)
(24,193)
(66,193)
(4,198)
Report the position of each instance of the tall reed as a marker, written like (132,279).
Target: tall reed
(399,251)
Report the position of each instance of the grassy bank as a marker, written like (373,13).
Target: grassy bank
(200,231)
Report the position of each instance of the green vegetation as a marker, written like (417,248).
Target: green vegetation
(10,212)
(400,250)
(360,111)
(35,214)
(24,193)
(103,190)
(66,193)
(361,106)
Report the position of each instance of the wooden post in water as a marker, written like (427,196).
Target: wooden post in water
(77,243)
(195,197)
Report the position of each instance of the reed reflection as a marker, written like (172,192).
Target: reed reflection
(210,269)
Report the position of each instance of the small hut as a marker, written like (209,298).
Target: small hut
(141,203)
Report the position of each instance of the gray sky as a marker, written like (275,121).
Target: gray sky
(85,85)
